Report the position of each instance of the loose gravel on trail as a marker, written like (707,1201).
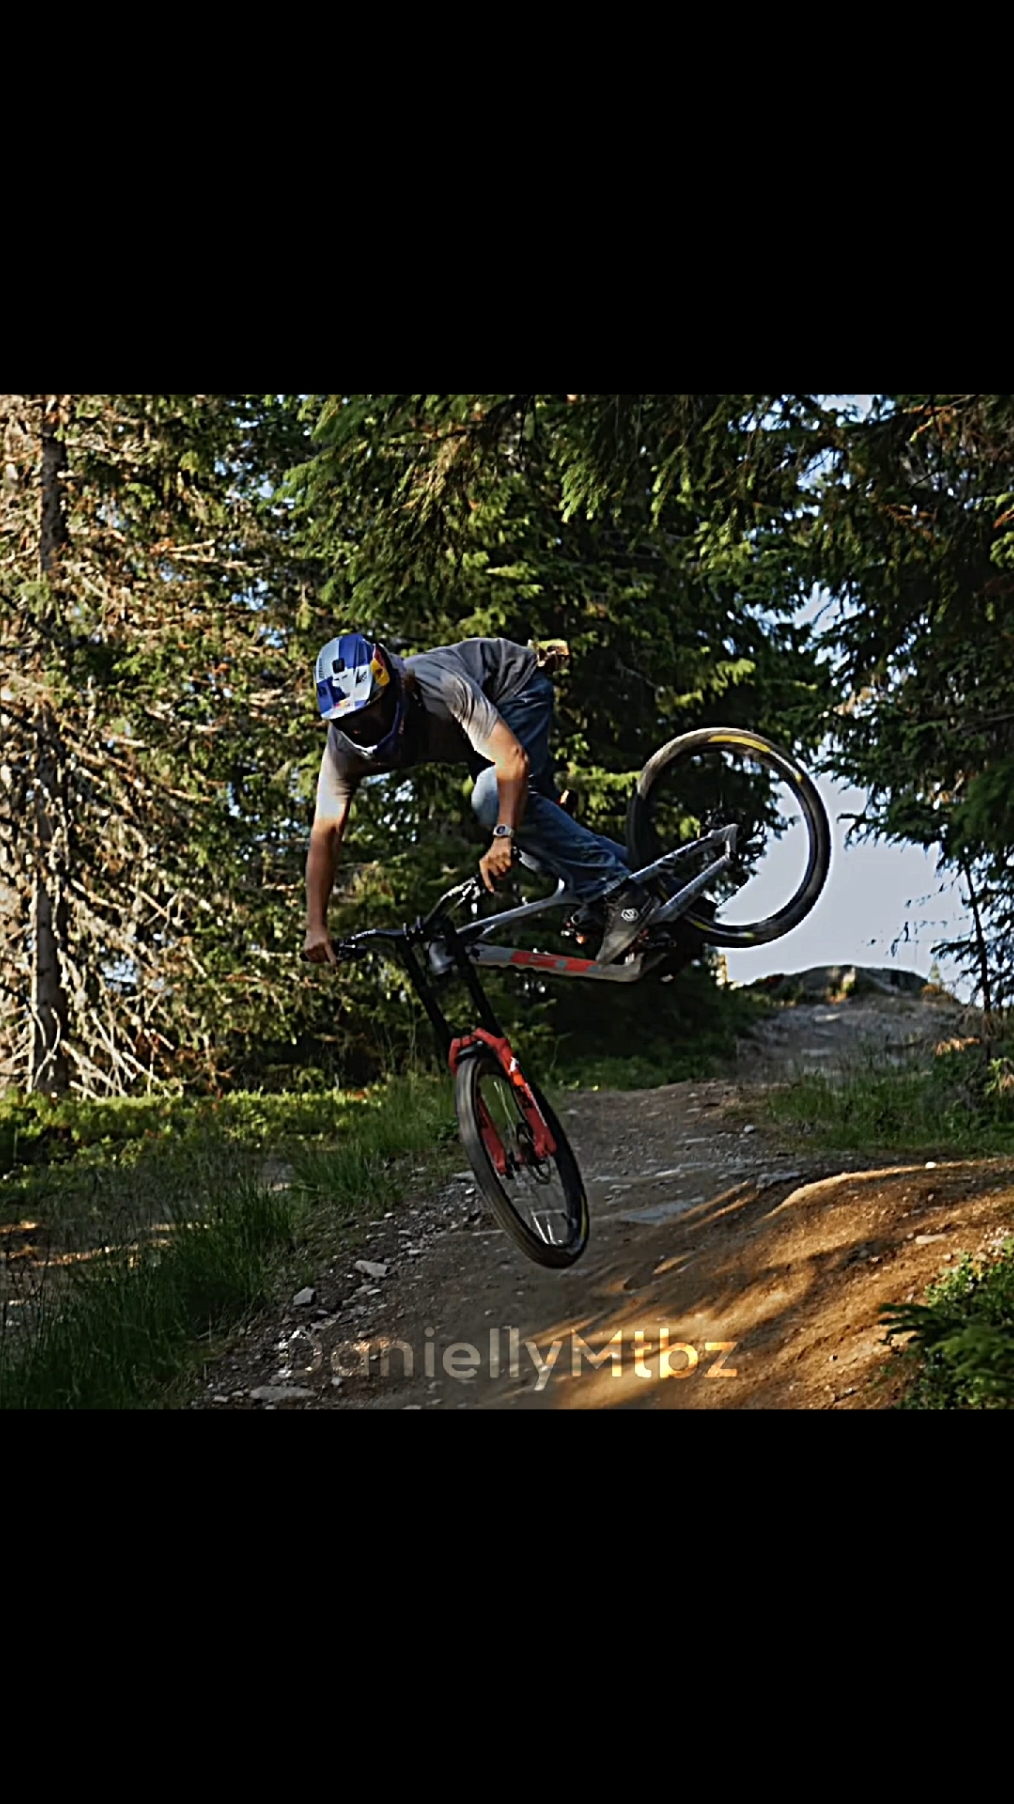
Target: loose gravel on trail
(727,1267)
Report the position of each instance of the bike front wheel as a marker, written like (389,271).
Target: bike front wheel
(723,777)
(540,1202)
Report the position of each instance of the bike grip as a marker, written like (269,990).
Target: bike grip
(307,960)
(346,951)
(498,882)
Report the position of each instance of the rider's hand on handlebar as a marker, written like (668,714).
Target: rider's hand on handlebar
(317,947)
(496,863)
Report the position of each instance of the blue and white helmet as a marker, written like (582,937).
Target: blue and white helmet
(351,672)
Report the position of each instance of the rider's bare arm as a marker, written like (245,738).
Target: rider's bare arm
(326,836)
(511,762)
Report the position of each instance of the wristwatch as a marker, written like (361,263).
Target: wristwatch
(503,832)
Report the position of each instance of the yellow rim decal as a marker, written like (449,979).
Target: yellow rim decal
(754,745)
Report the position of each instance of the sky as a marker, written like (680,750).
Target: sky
(873,894)
(881,905)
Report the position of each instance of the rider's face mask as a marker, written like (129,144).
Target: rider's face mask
(370,726)
(376,732)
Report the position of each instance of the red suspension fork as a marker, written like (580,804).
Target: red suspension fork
(499,1045)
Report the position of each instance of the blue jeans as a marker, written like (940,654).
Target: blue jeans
(589,862)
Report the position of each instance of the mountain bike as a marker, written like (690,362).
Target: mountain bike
(730,835)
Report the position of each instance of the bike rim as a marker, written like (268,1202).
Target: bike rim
(721,783)
(532,1187)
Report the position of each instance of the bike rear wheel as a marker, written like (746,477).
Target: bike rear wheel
(729,776)
(540,1202)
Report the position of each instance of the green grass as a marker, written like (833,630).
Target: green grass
(157,1235)
(957,1348)
(35,1130)
(961,1102)
(960,1342)
(130,1324)
(178,1239)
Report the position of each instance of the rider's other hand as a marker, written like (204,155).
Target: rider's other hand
(496,862)
(317,947)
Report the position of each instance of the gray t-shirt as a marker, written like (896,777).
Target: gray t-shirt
(450,719)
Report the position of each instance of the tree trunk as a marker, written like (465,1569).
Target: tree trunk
(983,957)
(49,1067)
(52,521)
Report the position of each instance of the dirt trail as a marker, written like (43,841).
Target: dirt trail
(725,1268)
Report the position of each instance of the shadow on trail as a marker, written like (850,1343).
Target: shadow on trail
(759,1298)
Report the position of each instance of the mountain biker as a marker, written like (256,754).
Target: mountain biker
(485,703)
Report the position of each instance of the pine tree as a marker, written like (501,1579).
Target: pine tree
(443,517)
(155,705)
(913,536)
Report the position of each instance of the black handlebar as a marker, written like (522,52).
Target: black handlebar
(356,947)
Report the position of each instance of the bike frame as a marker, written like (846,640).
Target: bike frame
(406,943)
(438,942)
(475,936)
(448,946)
